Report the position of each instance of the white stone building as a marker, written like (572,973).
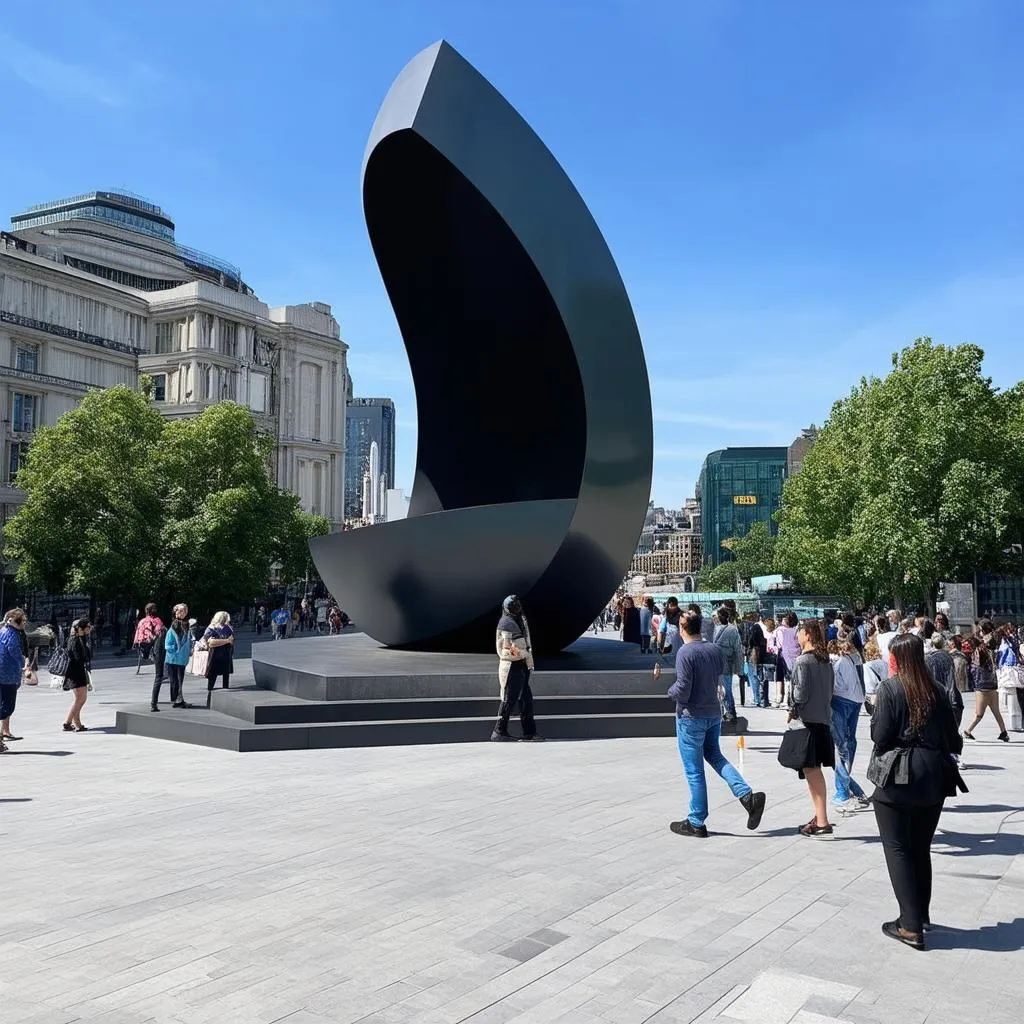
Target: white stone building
(94,290)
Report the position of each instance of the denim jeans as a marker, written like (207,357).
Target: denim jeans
(698,742)
(729,698)
(845,714)
(754,678)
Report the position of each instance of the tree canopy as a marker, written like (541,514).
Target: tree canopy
(915,478)
(124,504)
(753,554)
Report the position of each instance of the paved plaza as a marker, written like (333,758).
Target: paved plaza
(150,881)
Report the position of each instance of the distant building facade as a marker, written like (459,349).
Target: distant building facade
(95,290)
(798,450)
(737,488)
(670,543)
(369,421)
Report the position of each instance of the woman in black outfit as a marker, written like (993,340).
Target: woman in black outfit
(915,735)
(76,678)
(630,622)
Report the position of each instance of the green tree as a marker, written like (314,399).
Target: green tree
(93,505)
(909,482)
(753,554)
(224,522)
(124,504)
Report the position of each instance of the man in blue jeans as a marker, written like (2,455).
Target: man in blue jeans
(699,666)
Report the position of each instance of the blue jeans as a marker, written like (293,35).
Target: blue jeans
(754,678)
(698,742)
(730,699)
(844,734)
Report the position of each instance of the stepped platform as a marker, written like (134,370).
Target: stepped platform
(349,691)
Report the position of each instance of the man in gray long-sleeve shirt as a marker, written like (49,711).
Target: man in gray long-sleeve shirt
(699,667)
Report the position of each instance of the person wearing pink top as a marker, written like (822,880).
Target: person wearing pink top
(789,650)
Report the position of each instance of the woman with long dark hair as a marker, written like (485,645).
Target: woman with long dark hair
(813,684)
(630,621)
(986,683)
(77,677)
(915,736)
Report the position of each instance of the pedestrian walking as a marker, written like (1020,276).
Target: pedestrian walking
(986,684)
(646,619)
(915,736)
(699,668)
(515,665)
(727,639)
(77,678)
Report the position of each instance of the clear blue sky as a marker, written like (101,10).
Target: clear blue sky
(792,189)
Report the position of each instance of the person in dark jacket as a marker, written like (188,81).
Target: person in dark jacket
(220,639)
(515,666)
(630,622)
(915,736)
(77,678)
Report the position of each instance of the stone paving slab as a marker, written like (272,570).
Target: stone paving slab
(150,881)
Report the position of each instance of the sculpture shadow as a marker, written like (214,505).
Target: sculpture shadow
(977,844)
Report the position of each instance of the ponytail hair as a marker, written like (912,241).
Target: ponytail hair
(812,627)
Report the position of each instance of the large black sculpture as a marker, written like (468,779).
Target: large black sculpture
(535,443)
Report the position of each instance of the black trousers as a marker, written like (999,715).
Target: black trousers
(907,834)
(517,691)
(645,644)
(159,659)
(176,675)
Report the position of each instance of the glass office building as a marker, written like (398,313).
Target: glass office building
(367,420)
(737,488)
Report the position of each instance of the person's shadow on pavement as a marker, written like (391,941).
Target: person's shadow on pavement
(977,844)
(1004,937)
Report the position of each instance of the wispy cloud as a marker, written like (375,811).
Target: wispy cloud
(67,81)
(679,453)
(700,419)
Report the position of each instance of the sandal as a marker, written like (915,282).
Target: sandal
(68,727)
(10,739)
(81,728)
(894,931)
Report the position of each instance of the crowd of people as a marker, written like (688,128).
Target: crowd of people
(910,674)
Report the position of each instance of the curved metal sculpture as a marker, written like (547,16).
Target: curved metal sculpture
(533,467)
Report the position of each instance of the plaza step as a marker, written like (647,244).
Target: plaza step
(227,732)
(266,707)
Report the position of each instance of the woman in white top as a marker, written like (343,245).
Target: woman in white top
(847,700)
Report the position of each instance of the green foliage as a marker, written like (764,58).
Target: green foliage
(122,503)
(910,481)
(753,554)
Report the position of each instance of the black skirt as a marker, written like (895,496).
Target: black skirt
(821,751)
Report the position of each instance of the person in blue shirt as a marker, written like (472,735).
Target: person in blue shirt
(12,670)
(178,644)
(699,667)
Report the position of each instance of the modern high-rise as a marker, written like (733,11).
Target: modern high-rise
(95,290)
(737,488)
(369,421)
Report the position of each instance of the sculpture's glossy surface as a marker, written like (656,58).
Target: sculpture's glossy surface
(533,465)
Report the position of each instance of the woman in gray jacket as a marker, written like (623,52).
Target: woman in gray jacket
(727,639)
(813,685)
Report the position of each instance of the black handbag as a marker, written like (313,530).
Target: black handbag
(795,748)
(59,662)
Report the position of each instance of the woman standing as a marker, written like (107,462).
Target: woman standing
(12,670)
(220,639)
(788,644)
(915,737)
(847,700)
(178,649)
(875,670)
(76,678)
(646,618)
(813,683)
(986,684)
(630,622)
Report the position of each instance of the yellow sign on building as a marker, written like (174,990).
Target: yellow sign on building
(744,499)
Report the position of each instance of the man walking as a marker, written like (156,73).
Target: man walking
(699,667)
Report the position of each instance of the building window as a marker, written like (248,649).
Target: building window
(169,337)
(160,387)
(26,357)
(24,413)
(18,450)
(258,392)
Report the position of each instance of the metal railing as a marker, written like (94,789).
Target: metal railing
(45,378)
(67,332)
